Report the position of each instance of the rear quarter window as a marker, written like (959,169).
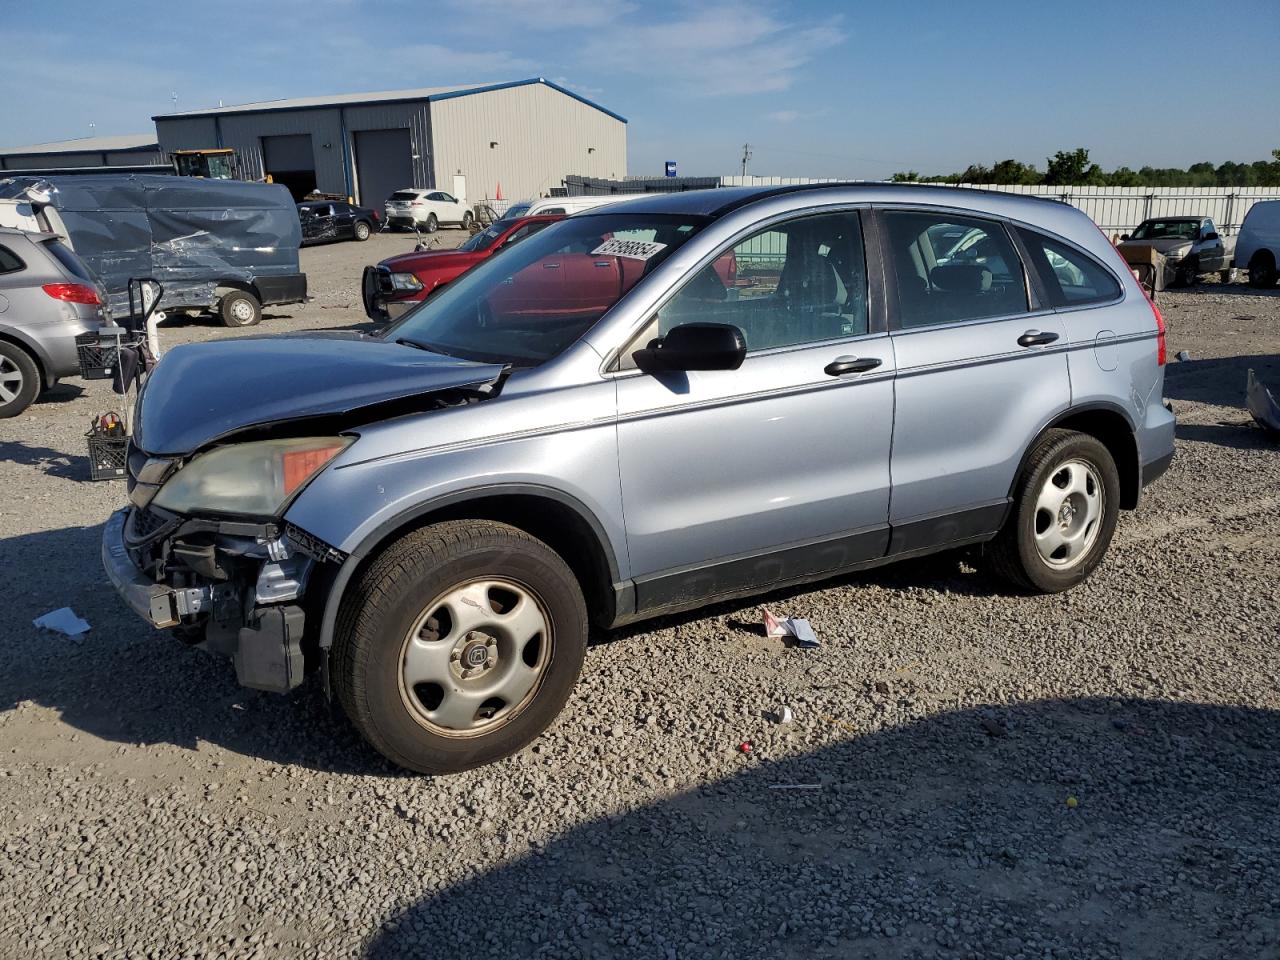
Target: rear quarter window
(1071,277)
(70,262)
(10,262)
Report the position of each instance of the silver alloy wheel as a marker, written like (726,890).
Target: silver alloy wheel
(10,380)
(242,310)
(1069,513)
(362,231)
(475,657)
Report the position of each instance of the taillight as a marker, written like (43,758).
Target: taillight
(300,465)
(1161,355)
(73,293)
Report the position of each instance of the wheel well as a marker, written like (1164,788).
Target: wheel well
(1114,432)
(35,357)
(556,524)
(1261,258)
(226,286)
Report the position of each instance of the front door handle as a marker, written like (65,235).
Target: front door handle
(842,365)
(1034,338)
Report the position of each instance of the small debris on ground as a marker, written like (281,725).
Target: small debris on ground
(744,746)
(64,621)
(784,716)
(1262,404)
(881,687)
(1072,802)
(790,627)
(1183,356)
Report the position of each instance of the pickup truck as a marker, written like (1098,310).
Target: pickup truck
(404,281)
(1192,247)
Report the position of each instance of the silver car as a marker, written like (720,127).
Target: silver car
(48,297)
(669,402)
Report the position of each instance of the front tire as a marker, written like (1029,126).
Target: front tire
(240,309)
(459,645)
(1188,271)
(19,380)
(1064,514)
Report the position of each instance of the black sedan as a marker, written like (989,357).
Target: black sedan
(325,220)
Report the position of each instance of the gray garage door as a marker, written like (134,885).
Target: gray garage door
(384,164)
(290,161)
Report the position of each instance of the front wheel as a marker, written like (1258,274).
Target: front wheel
(459,645)
(1064,514)
(1187,273)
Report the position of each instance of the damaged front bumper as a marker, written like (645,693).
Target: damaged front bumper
(232,593)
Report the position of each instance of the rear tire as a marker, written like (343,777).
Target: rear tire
(424,610)
(19,380)
(240,309)
(1050,543)
(432,223)
(361,231)
(1262,271)
(466,220)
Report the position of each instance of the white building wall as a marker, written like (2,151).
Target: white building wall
(540,134)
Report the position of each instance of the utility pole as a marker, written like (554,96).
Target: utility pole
(174,97)
(746,155)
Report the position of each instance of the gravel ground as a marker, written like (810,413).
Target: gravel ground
(968,773)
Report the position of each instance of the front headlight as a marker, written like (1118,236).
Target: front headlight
(1177,253)
(405,281)
(255,479)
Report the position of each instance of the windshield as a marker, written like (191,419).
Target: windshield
(482,240)
(528,304)
(516,210)
(1162,229)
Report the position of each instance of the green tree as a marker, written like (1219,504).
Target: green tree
(1068,167)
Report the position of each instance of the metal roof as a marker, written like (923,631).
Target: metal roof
(123,142)
(385,96)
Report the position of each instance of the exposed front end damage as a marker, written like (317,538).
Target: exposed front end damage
(232,587)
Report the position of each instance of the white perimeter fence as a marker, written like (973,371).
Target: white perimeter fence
(1114,209)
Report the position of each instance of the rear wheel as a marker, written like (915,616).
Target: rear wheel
(1064,514)
(361,230)
(432,223)
(240,309)
(1262,270)
(459,645)
(466,220)
(19,380)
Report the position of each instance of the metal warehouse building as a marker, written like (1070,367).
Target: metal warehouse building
(122,151)
(525,136)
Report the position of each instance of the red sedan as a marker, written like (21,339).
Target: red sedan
(403,281)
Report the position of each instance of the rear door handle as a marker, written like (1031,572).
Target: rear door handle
(551,266)
(1034,338)
(842,365)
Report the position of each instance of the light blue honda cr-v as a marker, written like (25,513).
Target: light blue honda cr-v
(671,401)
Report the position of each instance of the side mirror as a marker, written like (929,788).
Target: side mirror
(694,346)
(1211,235)
(1124,237)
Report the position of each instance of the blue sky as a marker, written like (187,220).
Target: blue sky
(818,88)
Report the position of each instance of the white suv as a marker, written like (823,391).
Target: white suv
(426,209)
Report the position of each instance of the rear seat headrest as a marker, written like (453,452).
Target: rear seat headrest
(960,278)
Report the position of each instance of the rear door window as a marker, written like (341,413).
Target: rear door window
(1071,277)
(950,269)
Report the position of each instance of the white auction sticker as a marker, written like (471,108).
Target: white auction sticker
(634,249)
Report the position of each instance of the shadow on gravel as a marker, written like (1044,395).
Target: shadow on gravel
(63,393)
(932,839)
(126,683)
(1221,381)
(55,463)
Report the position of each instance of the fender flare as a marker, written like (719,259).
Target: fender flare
(1072,411)
(406,517)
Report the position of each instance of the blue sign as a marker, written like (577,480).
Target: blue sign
(671,168)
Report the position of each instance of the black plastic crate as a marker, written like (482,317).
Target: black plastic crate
(99,355)
(108,456)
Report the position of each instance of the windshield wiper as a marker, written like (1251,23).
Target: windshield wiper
(422,345)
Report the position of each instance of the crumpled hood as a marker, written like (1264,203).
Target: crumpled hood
(1162,245)
(201,392)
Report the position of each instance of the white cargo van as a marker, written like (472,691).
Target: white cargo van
(1258,245)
